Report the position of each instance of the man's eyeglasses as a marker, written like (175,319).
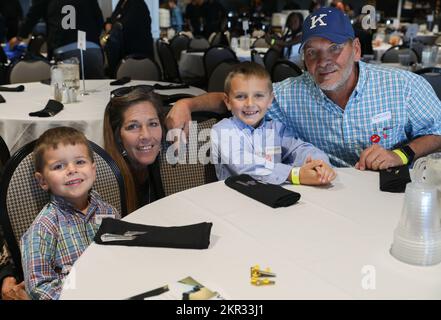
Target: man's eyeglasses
(333,51)
(119,92)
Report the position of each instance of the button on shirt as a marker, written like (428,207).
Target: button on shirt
(388,106)
(55,240)
(267,153)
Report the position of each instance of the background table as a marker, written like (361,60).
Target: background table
(330,245)
(17,128)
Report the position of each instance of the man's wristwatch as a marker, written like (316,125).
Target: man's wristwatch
(407,152)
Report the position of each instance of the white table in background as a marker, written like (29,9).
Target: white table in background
(245,55)
(333,244)
(17,128)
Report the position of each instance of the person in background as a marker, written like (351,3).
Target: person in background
(11,13)
(290,41)
(89,18)
(194,17)
(215,18)
(176,18)
(132,18)
(64,167)
(247,143)
(10,288)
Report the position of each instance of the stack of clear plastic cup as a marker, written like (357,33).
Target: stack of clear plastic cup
(417,238)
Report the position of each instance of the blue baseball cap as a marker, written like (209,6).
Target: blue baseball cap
(329,23)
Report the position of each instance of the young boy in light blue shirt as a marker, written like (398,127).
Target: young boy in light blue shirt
(247,143)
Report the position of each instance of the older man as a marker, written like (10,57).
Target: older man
(362,115)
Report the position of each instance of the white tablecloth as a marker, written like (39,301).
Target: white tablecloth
(17,128)
(333,244)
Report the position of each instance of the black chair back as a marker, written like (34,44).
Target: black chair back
(284,69)
(178,44)
(270,58)
(392,54)
(215,55)
(138,67)
(169,64)
(433,76)
(220,72)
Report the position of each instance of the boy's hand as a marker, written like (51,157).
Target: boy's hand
(316,172)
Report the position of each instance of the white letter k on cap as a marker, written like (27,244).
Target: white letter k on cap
(315,19)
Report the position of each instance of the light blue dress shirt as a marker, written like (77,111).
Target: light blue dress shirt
(267,153)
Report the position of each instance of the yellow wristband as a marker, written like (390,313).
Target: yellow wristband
(402,156)
(273,41)
(295,175)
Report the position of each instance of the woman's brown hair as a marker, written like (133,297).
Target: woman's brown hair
(113,119)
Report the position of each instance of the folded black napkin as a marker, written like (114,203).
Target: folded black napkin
(394,179)
(171,86)
(52,108)
(19,88)
(272,195)
(196,236)
(121,81)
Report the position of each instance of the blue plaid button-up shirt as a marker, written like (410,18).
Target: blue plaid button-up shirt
(55,240)
(389,104)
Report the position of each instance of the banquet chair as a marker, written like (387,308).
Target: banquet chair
(219,39)
(215,55)
(257,57)
(260,43)
(21,198)
(220,72)
(93,58)
(138,67)
(283,69)
(178,176)
(29,70)
(4,155)
(433,76)
(270,58)
(392,54)
(35,45)
(178,44)
(170,67)
(199,43)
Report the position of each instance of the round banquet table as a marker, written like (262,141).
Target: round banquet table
(333,244)
(17,128)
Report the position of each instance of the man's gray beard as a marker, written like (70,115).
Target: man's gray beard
(344,78)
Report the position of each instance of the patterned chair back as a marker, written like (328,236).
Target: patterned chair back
(22,198)
(177,177)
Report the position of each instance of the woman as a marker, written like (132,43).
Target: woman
(10,288)
(132,136)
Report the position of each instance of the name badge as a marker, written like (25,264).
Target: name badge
(381,117)
(99,217)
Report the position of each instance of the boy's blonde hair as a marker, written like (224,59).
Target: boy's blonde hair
(247,69)
(55,136)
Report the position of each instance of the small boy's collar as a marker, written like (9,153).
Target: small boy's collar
(64,205)
(243,125)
